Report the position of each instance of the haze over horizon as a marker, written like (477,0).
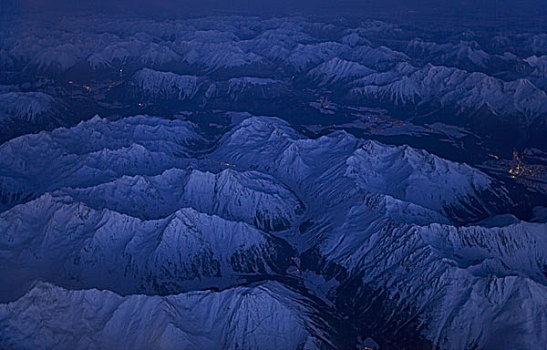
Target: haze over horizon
(355,7)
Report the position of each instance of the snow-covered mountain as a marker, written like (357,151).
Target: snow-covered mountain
(304,56)
(157,85)
(252,197)
(455,88)
(373,57)
(57,59)
(460,54)
(537,43)
(106,249)
(90,153)
(539,73)
(337,70)
(249,88)
(214,56)
(469,286)
(32,107)
(373,222)
(403,173)
(283,49)
(117,52)
(392,214)
(270,145)
(358,204)
(181,219)
(24,112)
(261,316)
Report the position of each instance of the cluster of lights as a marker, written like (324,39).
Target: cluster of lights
(517,170)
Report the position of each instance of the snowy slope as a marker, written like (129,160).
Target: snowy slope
(373,222)
(251,88)
(337,70)
(404,172)
(455,88)
(372,57)
(450,54)
(539,73)
(34,107)
(92,152)
(251,197)
(58,59)
(393,242)
(214,56)
(304,56)
(165,85)
(287,48)
(355,202)
(158,55)
(262,316)
(116,52)
(469,286)
(61,240)
(316,165)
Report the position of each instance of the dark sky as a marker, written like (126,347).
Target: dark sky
(536,8)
